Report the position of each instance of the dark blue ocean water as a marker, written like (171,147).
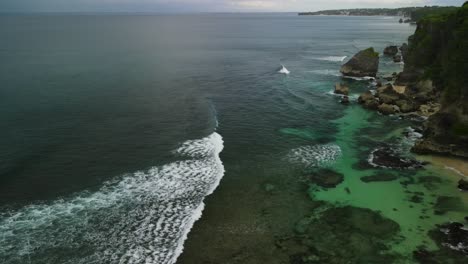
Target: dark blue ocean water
(111,125)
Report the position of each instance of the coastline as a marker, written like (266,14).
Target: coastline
(375,203)
(450,163)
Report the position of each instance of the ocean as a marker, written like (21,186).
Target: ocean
(116,127)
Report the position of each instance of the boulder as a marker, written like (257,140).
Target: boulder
(391,50)
(406,106)
(326,178)
(341,89)
(364,63)
(463,185)
(368,100)
(400,21)
(387,109)
(397,58)
(388,95)
(407,76)
(345,100)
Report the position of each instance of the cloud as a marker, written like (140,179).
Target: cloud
(205,5)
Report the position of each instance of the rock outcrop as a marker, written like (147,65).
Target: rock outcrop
(341,89)
(433,84)
(368,100)
(391,50)
(397,58)
(437,57)
(404,50)
(364,63)
(326,178)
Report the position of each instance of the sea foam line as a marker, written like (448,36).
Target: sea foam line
(142,218)
(332,58)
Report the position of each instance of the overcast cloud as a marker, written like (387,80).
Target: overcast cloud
(204,5)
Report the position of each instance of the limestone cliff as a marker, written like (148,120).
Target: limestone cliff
(438,51)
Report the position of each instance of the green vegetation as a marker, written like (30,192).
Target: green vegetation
(460,129)
(371,52)
(439,51)
(420,13)
(406,11)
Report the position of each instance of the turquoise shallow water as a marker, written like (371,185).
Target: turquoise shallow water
(115,127)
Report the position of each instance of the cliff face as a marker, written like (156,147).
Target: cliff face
(438,51)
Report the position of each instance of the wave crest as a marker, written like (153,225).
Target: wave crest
(142,218)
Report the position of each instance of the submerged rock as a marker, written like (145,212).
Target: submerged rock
(391,50)
(452,235)
(341,89)
(446,204)
(388,94)
(388,109)
(397,58)
(326,178)
(346,235)
(386,157)
(364,63)
(379,178)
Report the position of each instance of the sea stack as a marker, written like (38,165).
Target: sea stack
(364,63)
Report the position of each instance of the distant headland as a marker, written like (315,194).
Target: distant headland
(412,14)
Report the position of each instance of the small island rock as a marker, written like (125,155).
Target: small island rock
(364,63)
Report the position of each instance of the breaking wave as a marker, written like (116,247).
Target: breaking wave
(326,72)
(283,70)
(332,58)
(143,217)
(315,155)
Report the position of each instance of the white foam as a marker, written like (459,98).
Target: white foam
(142,218)
(314,155)
(365,78)
(332,58)
(283,70)
(326,72)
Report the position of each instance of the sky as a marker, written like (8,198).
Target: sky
(168,6)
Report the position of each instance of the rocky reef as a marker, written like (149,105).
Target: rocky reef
(364,63)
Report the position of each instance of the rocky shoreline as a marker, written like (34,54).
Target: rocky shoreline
(418,90)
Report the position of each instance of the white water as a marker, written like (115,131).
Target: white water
(332,58)
(326,72)
(283,70)
(314,155)
(142,218)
